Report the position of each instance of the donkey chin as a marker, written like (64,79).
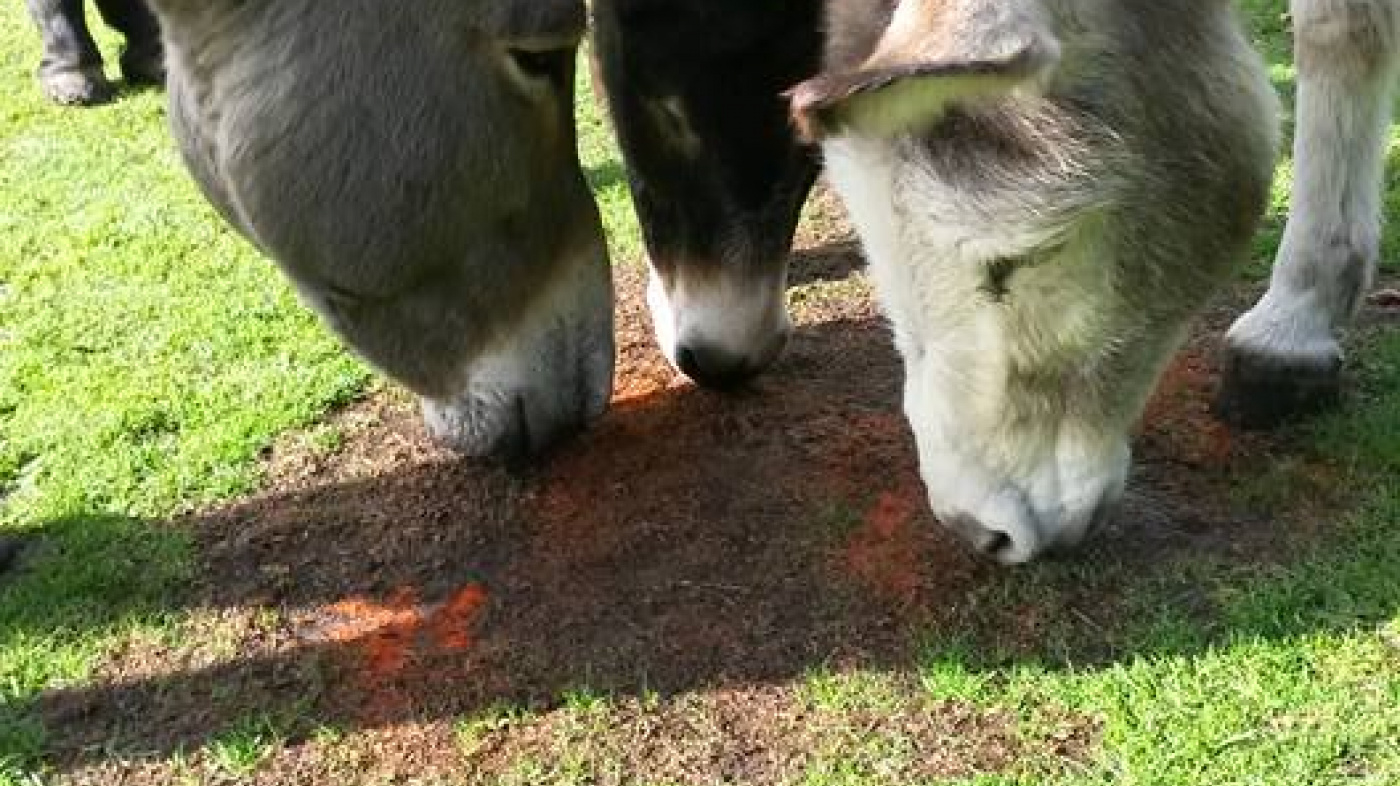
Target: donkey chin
(549,375)
(1012,487)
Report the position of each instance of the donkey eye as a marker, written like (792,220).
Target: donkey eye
(552,65)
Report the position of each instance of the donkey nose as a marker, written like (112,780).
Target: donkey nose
(714,367)
(989,542)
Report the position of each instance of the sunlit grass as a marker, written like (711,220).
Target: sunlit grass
(147,356)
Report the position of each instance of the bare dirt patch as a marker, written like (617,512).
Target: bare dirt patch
(694,555)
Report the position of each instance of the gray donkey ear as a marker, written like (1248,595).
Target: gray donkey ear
(935,53)
(885,102)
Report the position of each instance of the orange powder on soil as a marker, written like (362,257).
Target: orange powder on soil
(383,632)
(1179,415)
(883,554)
(389,638)
(450,626)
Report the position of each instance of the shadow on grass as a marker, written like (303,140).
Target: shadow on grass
(606,174)
(693,541)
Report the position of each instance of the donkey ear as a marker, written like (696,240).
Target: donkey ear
(884,101)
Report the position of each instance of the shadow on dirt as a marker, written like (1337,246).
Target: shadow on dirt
(833,261)
(689,540)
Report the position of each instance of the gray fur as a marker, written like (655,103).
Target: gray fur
(421,190)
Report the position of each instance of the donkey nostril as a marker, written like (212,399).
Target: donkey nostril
(713,368)
(997,545)
(990,542)
(685,358)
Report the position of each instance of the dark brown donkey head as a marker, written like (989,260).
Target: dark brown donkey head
(412,168)
(694,88)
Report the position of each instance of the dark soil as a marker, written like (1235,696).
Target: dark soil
(708,550)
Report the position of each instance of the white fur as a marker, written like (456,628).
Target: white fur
(725,309)
(552,367)
(663,316)
(1039,480)
(1347,53)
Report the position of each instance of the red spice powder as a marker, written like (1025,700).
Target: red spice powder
(885,554)
(389,638)
(450,625)
(1179,417)
(382,632)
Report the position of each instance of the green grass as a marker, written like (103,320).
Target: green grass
(603,167)
(243,747)
(1298,682)
(147,356)
(472,730)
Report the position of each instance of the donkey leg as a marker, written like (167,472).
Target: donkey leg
(1283,357)
(71,69)
(143,59)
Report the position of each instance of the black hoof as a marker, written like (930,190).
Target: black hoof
(76,87)
(11,547)
(1262,392)
(143,66)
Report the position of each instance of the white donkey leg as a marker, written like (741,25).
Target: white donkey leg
(1283,357)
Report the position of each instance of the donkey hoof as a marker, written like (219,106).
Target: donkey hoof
(76,87)
(1260,391)
(143,66)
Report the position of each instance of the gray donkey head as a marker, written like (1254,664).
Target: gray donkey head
(412,168)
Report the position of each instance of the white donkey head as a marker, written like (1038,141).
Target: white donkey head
(1047,190)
